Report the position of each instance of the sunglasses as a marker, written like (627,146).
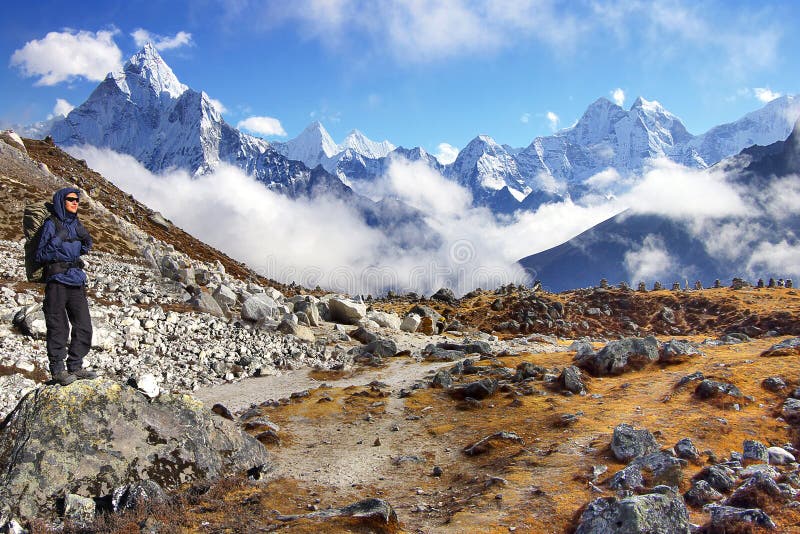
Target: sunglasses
(71,199)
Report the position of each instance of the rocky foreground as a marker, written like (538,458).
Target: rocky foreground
(229,403)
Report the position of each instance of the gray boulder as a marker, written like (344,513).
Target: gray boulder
(260,306)
(445,295)
(382,347)
(225,297)
(791,410)
(619,356)
(570,380)
(205,303)
(711,389)
(93,436)
(685,449)
(754,452)
(310,309)
(384,319)
(676,351)
(719,477)
(661,512)
(346,311)
(701,493)
(410,323)
(732,519)
(628,443)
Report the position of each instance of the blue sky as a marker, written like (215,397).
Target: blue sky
(415,73)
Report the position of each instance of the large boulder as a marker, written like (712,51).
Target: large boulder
(346,311)
(628,443)
(660,512)
(386,320)
(259,307)
(619,356)
(93,436)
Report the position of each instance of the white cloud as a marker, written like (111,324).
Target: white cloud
(776,259)
(525,118)
(412,30)
(219,106)
(649,261)
(672,190)
(65,56)
(782,197)
(552,120)
(142,36)
(446,153)
(605,178)
(619,96)
(765,94)
(62,108)
(262,126)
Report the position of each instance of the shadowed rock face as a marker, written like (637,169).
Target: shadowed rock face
(93,436)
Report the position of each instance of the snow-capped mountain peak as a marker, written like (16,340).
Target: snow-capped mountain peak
(148,66)
(366,147)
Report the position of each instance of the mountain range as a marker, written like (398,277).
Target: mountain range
(681,249)
(145,111)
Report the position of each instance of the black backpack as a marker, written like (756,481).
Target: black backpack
(33,219)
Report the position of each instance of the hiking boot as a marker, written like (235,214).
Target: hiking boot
(64,378)
(86,374)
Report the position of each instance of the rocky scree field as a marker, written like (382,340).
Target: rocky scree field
(230,403)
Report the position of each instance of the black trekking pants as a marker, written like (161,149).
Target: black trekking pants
(65,305)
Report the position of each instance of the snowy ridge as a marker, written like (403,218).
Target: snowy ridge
(145,111)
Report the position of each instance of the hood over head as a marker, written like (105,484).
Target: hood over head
(58,203)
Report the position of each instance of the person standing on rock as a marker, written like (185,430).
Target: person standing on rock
(63,241)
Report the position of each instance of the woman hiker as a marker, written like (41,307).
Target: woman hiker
(63,241)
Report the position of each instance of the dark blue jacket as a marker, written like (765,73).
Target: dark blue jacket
(65,244)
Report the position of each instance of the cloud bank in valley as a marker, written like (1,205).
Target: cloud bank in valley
(325,242)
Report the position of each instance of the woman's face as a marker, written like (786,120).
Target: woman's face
(71,203)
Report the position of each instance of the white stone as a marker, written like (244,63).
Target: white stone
(346,311)
(147,384)
(410,322)
(780,456)
(384,319)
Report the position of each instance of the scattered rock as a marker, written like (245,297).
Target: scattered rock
(620,356)
(660,512)
(718,476)
(787,347)
(676,351)
(628,443)
(685,449)
(754,452)
(711,389)
(476,390)
(486,444)
(570,380)
(758,491)
(731,519)
(780,456)
(410,323)
(445,295)
(775,384)
(701,493)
